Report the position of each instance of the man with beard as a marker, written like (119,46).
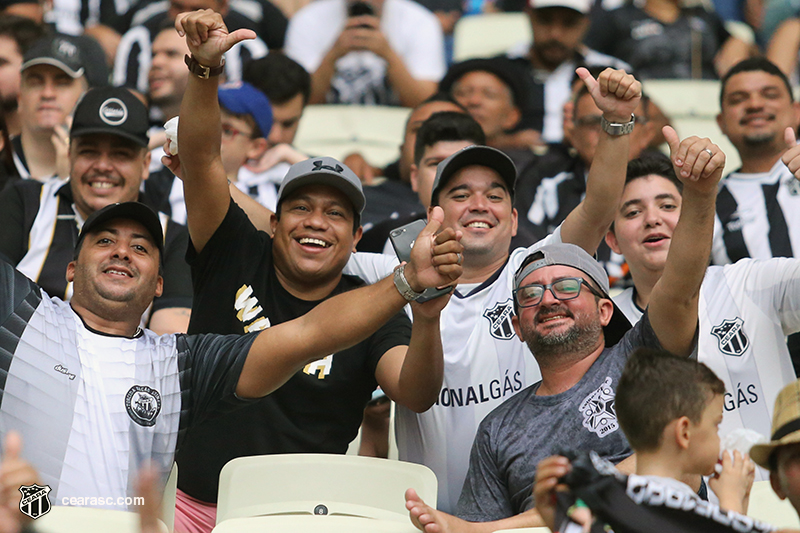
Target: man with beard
(758,208)
(564,314)
(558,28)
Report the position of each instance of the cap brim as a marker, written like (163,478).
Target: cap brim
(760,453)
(480,156)
(132,211)
(55,63)
(322,177)
(110,130)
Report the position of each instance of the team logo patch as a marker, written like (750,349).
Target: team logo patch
(731,336)
(35,501)
(113,112)
(499,318)
(599,414)
(319,166)
(143,405)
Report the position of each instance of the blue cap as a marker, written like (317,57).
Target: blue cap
(241,98)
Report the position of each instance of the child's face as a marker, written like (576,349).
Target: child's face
(704,440)
(237,142)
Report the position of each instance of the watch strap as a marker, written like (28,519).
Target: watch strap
(202,71)
(614,128)
(402,285)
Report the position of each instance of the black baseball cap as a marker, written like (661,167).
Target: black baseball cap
(479,155)
(112,110)
(505,69)
(76,55)
(129,210)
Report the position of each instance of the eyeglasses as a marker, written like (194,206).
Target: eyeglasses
(229,132)
(561,289)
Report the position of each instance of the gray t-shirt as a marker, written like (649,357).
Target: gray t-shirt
(525,429)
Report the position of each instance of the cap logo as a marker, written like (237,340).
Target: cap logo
(66,48)
(319,166)
(113,112)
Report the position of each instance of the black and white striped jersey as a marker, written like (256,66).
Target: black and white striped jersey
(758,216)
(92,408)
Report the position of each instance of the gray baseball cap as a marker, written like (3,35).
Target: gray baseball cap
(323,171)
(474,155)
(576,257)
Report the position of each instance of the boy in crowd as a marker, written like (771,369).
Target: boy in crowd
(670,408)
(736,301)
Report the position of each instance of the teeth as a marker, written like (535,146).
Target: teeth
(317,242)
(101,184)
(112,271)
(551,318)
(478,225)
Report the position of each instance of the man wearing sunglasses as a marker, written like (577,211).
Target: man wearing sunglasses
(581,341)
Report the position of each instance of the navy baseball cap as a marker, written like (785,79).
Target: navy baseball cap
(129,210)
(484,156)
(112,110)
(324,171)
(241,98)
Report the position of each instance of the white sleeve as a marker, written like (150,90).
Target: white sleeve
(369,266)
(782,275)
(416,35)
(311,33)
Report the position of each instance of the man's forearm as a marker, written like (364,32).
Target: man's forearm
(410,91)
(423,366)
(587,224)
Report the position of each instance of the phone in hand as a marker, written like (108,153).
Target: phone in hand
(403,239)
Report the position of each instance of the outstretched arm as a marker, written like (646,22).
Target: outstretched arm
(617,94)
(199,132)
(346,319)
(673,303)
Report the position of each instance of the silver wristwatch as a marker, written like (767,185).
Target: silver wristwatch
(401,283)
(613,128)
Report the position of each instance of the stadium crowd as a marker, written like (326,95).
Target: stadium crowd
(556,289)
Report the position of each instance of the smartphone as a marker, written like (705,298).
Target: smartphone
(403,239)
(358,8)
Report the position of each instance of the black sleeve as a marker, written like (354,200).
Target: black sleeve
(210,366)
(602,32)
(177,275)
(273,26)
(395,332)
(12,219)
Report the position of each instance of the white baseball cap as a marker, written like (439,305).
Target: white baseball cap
(581,6)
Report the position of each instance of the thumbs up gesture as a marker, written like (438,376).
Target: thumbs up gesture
(698,163)
(791,157)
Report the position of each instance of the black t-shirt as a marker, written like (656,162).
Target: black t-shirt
(655,49)
(30,210)
(320,408)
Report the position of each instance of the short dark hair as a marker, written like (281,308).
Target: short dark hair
(651,164)
(279,77)
(21,30)
(657,387)
(447,126)
(754,64)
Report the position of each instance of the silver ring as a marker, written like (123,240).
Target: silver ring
(710,153)
(460,258)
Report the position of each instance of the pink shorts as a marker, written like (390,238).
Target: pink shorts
(192,515)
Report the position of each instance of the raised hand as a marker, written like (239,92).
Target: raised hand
(207,36)
(436,257)
(791,157)
(615,92)
(698,162)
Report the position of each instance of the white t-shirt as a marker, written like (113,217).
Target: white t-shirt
(412,31)
(746,309)
(485,363)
